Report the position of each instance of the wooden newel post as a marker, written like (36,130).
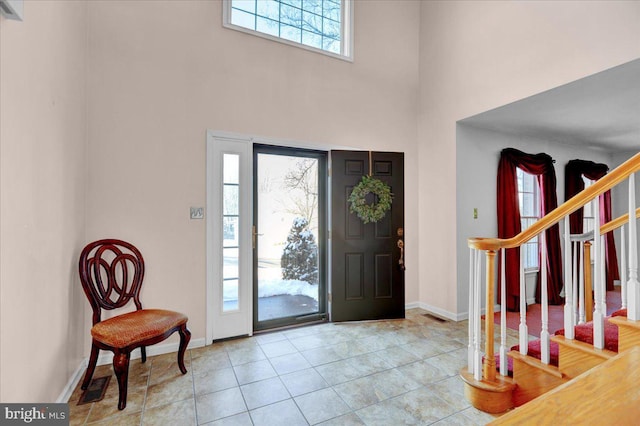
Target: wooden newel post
(489,366)
(588,286)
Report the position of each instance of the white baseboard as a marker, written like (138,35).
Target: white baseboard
(106,357)
(412,305)
(465,315)
(73,382)
(434,310)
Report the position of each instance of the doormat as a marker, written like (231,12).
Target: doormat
(95,391)
(433,317)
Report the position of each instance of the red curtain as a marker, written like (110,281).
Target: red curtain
(509,225)
(574,170)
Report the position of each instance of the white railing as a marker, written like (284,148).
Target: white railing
(575,278)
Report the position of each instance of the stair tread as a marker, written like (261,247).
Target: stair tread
(625,322)
(585,347)
(584,333)
(535,350)
(501,384)
(536,362)
(583,341)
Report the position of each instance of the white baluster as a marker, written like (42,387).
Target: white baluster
(623,267)
(503,314)
(569,308)
(477,354)
(598,314)
(576,299)
(523,330)
(581,284)
(633,287)
(544,333)
(472,313)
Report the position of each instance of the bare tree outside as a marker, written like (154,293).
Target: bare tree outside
(303,177)
(315,23)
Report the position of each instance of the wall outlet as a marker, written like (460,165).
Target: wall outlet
(197,212)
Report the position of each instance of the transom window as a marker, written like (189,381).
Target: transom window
(321,25)
(529,203)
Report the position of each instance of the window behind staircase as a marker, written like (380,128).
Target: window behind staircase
(529,203)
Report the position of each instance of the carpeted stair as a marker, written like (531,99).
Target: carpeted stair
(583,333)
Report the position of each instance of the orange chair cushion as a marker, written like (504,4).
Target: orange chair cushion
(136,327)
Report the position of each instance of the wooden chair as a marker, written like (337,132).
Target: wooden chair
(111,272)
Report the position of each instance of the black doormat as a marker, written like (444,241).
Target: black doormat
(95,391)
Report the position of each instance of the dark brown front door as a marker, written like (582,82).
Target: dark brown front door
(367,279)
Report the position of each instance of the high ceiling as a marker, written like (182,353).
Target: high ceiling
(601,111)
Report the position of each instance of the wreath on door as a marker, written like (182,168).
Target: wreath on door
(375,211)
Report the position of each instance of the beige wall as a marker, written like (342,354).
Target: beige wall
(475,56)
(161,73)
(158,74)
(42,198)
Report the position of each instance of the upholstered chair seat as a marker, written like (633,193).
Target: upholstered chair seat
(135,327)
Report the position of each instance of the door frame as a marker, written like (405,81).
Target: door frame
(323,225)
(210,236)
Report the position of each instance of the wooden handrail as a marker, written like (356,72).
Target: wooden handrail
(607,227)
(599,187)
(617,222)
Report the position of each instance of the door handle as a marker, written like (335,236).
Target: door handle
(254,235)
(401,260)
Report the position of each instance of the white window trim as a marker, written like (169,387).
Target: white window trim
(346,41)
(536,196)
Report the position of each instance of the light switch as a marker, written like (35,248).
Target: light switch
(197,212)
(475,212)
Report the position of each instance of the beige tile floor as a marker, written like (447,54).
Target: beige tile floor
(367,373)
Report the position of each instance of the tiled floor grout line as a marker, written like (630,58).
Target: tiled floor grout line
(193,386)
(372,342)
(358,378)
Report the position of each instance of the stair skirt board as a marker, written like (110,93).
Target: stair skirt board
(533,378)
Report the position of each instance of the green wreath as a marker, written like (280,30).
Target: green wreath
(375,211)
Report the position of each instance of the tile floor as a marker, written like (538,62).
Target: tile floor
(366,373)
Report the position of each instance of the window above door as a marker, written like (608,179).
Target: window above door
(324,26)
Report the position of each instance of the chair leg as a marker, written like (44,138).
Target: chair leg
(121,367)
(185,336)
(143,353)
(93,359)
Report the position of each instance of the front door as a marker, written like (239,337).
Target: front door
(367,269)
(289,236)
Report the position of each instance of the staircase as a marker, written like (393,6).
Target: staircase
(514,377)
